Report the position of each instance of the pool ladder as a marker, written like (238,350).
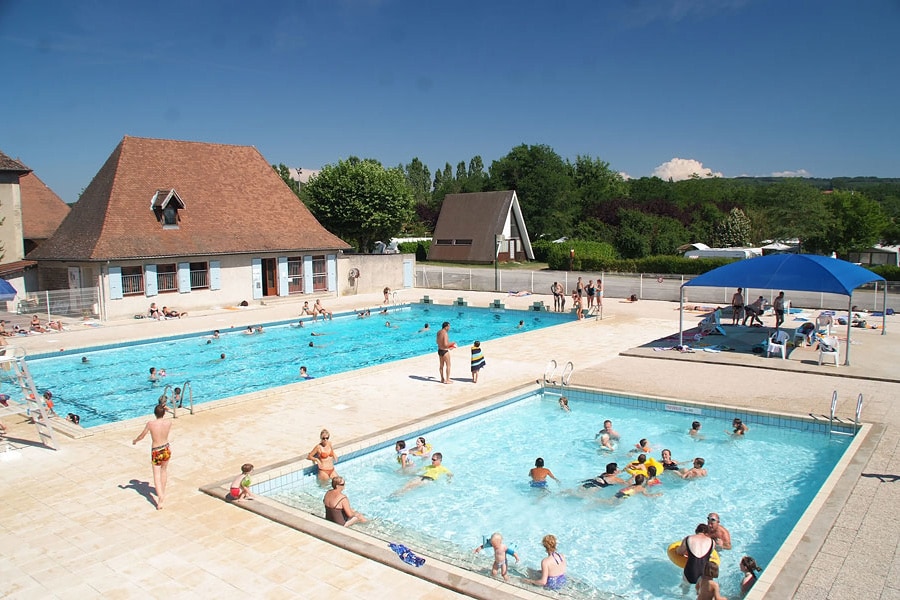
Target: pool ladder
(12,359)
(187,393)
(833,418)
(550,373)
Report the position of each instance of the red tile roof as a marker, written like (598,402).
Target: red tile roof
(8,164)
(234,202)
(42,209)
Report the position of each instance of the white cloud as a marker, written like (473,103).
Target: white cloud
(797,173)
(625,175)
(678,169)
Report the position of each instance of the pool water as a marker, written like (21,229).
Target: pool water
(760,485)
(114,384)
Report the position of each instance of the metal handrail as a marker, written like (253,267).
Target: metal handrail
(567,373)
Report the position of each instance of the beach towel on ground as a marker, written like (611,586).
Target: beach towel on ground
(407,555)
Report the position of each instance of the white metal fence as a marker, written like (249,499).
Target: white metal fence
(646,286)
(77,303)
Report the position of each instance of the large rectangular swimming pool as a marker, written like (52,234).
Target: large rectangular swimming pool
(113,384)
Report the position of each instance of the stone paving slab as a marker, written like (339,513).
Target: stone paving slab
(75,522)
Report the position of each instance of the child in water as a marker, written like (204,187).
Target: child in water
(501,551)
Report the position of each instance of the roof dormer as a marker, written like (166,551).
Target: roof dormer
(165,204)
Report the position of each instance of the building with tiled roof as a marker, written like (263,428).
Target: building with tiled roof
(188,225)
(42,211)
(479,227)
(30,213)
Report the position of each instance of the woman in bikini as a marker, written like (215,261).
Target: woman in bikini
(323,455)
(553,568)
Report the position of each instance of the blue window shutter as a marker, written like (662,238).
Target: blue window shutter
(331,267)
(184,278)
(215,275)
(282,276)
(307,274)
(256,277)
(115,283)
(151,285)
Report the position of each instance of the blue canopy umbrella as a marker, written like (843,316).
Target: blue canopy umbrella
(797,272)
(7,291)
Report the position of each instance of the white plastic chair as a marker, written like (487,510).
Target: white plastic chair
(830,346)
(778,343)
(823,324)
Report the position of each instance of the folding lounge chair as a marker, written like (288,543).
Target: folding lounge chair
(712,323)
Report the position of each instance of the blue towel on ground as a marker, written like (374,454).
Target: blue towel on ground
(407,555)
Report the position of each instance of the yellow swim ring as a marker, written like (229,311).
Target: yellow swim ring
(679,560)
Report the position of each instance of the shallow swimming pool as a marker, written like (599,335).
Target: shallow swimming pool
(759,485)
(113,385)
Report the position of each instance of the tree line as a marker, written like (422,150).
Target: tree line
(362,202)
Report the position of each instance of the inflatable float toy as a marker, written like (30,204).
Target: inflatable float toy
(680,561)
(635,468)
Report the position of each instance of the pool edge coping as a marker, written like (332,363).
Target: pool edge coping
(818,517)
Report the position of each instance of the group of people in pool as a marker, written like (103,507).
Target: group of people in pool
(701,567)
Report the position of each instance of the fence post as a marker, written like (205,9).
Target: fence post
(47,296)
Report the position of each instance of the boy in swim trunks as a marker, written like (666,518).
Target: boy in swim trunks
(240,487)
(539,474)
(501,551)
(160,453)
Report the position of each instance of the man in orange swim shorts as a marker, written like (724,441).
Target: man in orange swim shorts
(160,453)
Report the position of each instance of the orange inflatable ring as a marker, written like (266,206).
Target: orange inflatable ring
(680,561)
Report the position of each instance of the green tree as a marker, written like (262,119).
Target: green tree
(857,223)
(360,201)
(796,209)
(543,183)
(285,173)
(419,178)
(732,231)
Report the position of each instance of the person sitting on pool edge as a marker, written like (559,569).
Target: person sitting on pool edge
(337,505)
(553,567)
(432,472)
(539,474)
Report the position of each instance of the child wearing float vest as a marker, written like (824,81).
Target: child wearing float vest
(501,551)
(240,487)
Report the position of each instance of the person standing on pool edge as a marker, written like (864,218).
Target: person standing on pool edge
(444,345)
(160,452)
(477,360)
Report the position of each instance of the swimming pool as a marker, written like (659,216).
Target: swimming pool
(113,385)
(760,486)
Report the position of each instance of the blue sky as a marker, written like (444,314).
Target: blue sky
(743,87)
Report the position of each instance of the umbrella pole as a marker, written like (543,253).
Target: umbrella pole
(681,316)
(849,326)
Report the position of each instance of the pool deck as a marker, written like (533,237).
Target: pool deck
(78,522)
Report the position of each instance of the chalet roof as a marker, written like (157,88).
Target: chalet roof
(8,164)
(42,209)
(231,201)
(478,216)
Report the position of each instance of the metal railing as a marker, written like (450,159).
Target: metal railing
(644,286)
(79,303)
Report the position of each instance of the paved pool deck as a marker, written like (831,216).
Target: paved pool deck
(78,522)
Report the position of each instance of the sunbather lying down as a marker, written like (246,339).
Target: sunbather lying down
(516,293)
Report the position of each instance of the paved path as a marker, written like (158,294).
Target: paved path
(77,522)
